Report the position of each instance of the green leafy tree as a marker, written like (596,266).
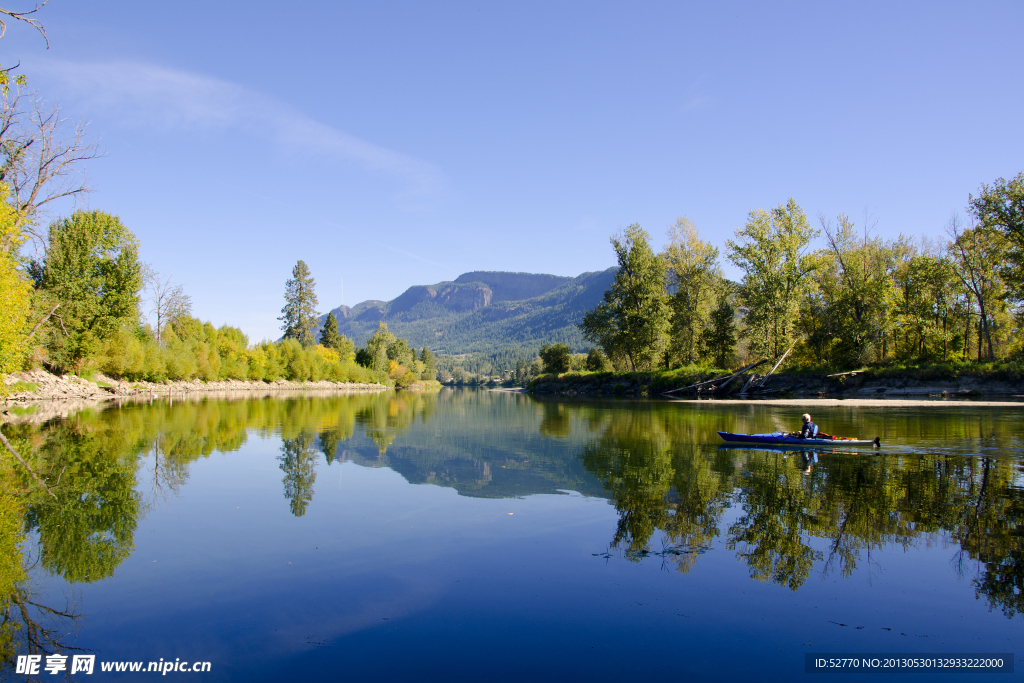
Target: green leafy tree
(598,362)
(979,253)
(299,315)
(556,357)
(695,273)
(346,350)
(92,270)
(770,251)
(850,310)
(377,348)
(632,321)
(399,351)
(1000,207)
(719,337)
(926,298)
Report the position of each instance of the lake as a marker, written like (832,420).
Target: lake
(490,536)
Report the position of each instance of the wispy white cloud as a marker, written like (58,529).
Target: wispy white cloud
(149,95)
(384,246)
(693,97)
(696,103)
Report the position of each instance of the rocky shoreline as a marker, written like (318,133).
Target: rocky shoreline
(69,393)
(845,385)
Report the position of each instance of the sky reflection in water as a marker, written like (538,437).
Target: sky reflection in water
(290,539)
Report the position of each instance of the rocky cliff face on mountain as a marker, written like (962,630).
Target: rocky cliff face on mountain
(450,296)
(513,286)
(483,311)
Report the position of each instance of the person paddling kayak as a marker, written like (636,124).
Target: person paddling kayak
(809,430)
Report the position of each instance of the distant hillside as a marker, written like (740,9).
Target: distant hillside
(483,312)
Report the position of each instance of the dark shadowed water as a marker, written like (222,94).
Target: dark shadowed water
(484,536)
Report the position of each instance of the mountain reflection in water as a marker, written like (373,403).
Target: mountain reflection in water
(949,474)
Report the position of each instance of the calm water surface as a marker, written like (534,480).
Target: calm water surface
(483,536)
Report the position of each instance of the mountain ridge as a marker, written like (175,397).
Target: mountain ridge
(482,311)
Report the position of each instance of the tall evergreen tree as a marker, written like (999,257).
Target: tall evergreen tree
(429,364)
(632,321)
(299,315)
(329,336)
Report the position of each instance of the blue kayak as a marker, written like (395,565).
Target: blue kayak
(781,439)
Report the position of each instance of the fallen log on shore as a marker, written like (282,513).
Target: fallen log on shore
(713,387)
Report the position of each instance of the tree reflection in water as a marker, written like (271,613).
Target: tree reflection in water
(796,513)
(298,462)
(803,509)
(27,625)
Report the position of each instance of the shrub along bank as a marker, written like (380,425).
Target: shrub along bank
(193,350)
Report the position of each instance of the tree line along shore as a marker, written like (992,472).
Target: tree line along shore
(904,308)
(76,298)
(80,310)
(859,300)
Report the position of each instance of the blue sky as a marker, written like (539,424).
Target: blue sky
(393,144)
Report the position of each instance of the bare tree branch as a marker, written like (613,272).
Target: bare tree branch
(41,155)
(24,16)
(40,637)
(10,448)
(169,300)
(45,318)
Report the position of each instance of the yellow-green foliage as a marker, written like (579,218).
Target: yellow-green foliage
(12,536)
(14,292)
(14,308)
(195,350)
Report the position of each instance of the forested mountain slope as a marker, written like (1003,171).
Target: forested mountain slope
(483,312)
